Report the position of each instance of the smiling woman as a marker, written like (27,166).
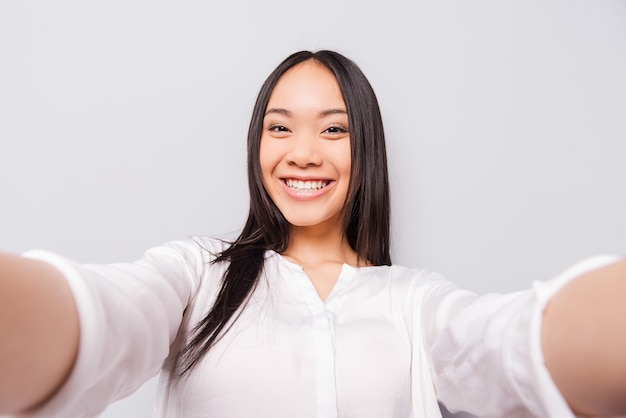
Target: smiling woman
(305,159)
(303,314)
(297,127)
(305,149)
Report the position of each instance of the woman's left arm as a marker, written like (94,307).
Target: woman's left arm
(584,341)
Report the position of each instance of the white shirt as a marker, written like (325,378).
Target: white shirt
(388,342)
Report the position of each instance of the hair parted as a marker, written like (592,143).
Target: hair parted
(366,212)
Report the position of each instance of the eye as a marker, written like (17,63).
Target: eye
(278,131)
(336,129)
(278,128)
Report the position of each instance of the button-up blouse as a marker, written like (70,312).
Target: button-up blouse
(387,342)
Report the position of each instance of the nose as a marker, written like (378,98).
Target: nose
(304,151)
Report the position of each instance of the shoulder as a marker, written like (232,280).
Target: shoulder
(195,245)
(407,287)
(400,279)
(413,274)
(415,279)
(195,252)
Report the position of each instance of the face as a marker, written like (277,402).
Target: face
(305,147)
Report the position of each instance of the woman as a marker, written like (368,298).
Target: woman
(303,315)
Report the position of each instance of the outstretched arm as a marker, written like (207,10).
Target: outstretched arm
(39,332)
(584,341)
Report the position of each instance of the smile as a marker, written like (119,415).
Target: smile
(300,185)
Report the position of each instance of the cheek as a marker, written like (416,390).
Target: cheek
(267,160)
(263,156)
(344,164)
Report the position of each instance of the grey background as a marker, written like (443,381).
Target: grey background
(122,126)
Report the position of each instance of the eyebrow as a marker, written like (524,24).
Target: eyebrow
(279,111)
(322,114)
(329,112)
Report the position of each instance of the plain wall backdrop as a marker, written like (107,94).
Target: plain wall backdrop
(123,124)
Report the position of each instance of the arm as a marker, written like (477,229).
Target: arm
(39,332)
(486,351)
(584,341)
(128,314)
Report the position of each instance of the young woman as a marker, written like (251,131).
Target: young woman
(304,315)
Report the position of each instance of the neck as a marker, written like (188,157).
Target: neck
(314,246)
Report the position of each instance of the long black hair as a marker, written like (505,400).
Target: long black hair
(366,219)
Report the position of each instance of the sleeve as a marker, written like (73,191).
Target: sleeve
(129,315)
(485,351)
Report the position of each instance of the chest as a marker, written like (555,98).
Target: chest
(289,354)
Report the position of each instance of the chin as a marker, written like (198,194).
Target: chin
(312,222)
(303,223)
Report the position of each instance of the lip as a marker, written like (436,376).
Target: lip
(305,178)
(306,194)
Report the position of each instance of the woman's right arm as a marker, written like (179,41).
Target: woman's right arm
(39,332)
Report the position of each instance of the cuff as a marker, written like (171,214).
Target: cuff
(69,398)
(530,374)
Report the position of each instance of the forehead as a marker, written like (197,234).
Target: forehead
(308,84)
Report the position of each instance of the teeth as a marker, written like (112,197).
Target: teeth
(306,185)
